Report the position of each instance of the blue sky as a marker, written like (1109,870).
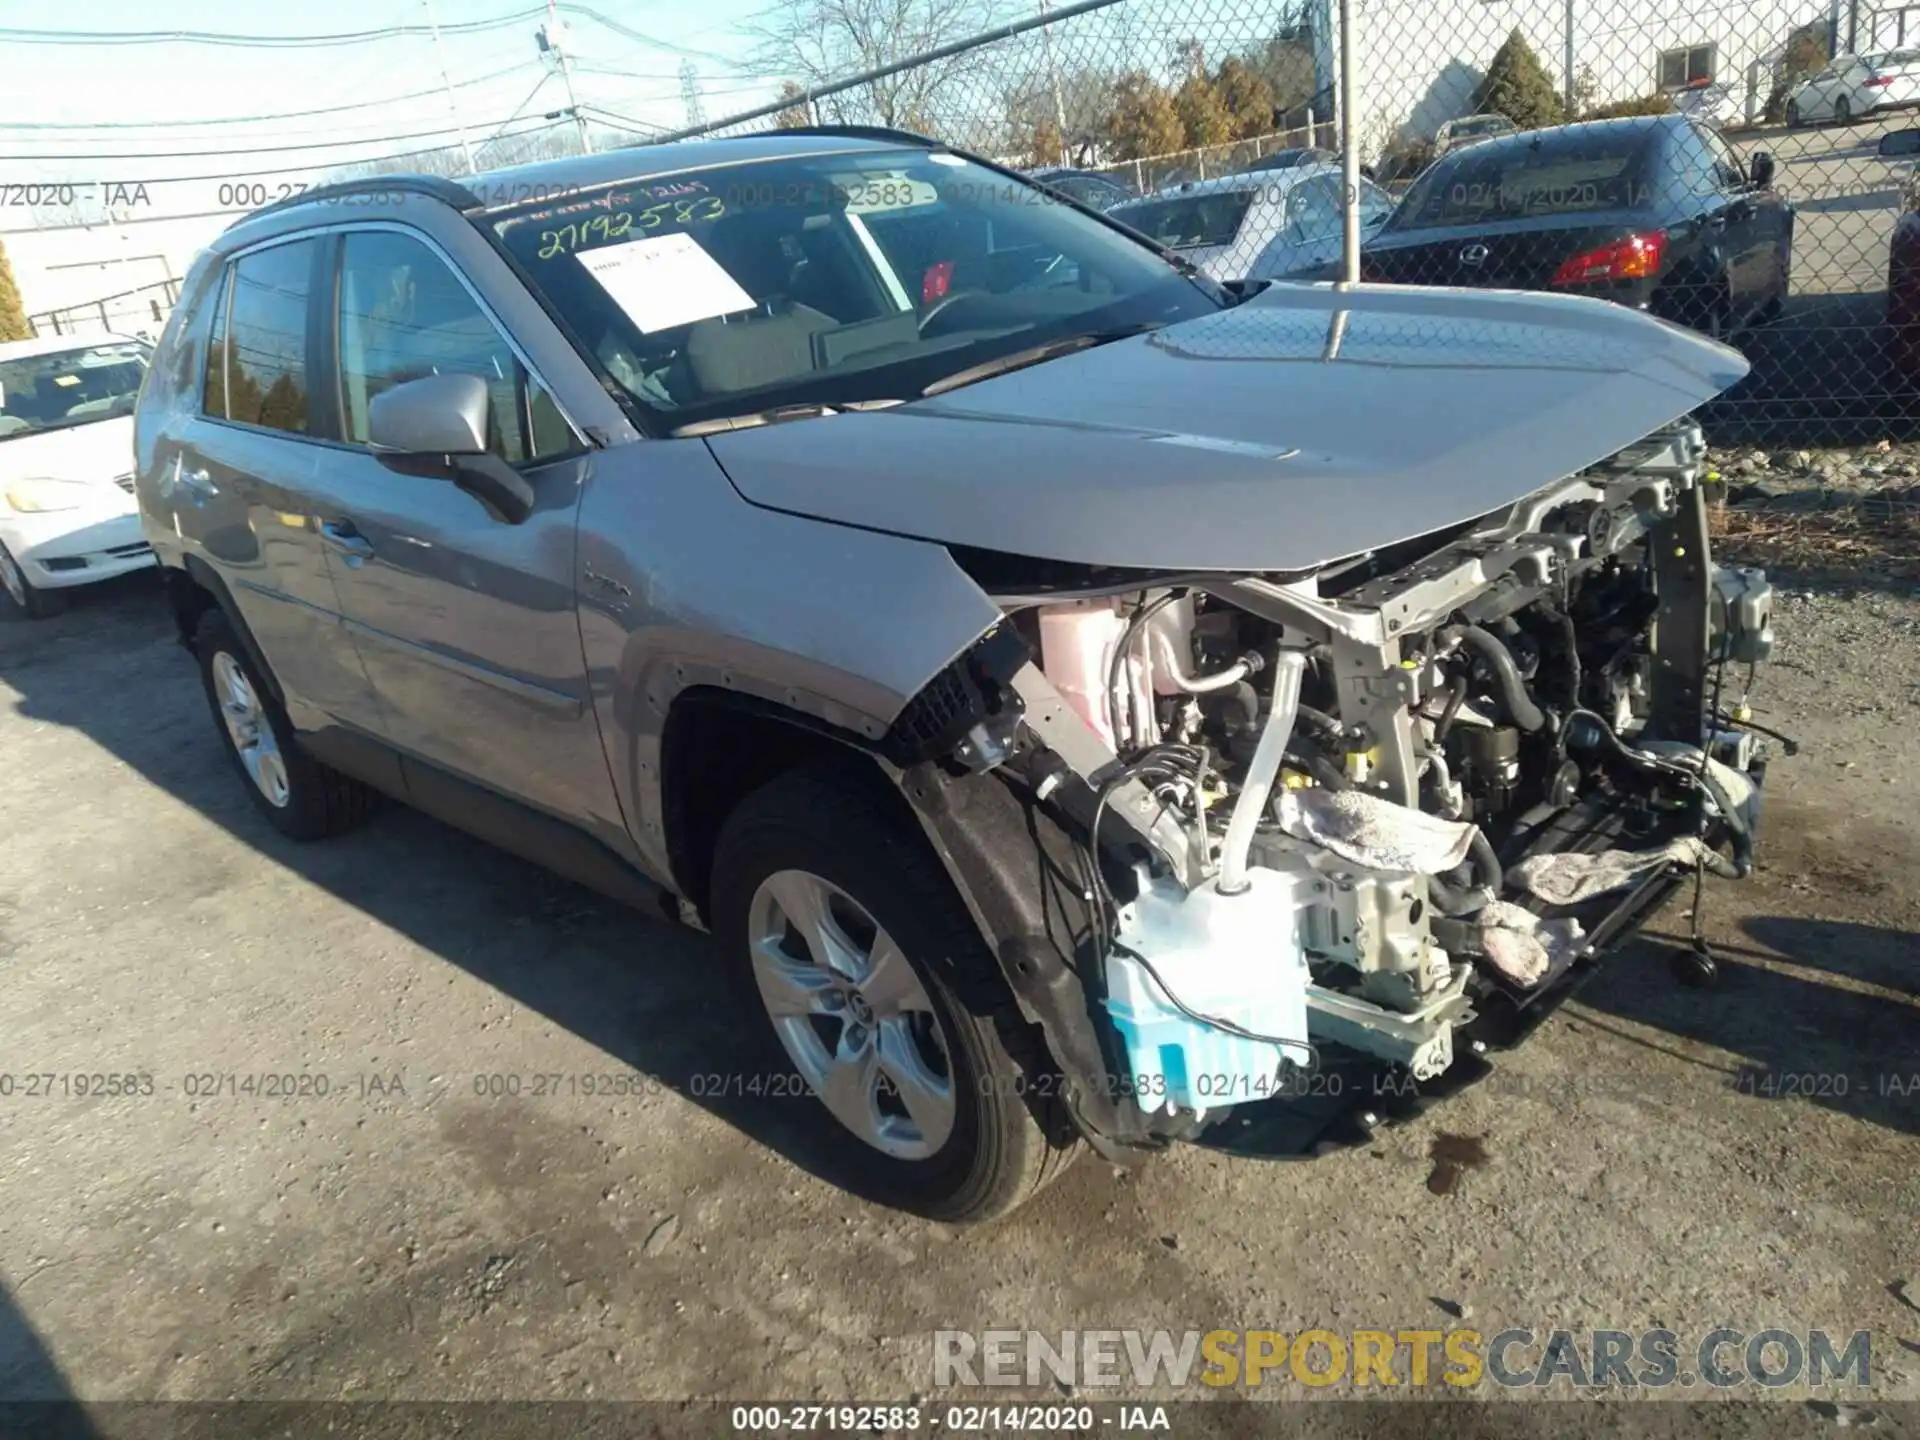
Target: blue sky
(155,88)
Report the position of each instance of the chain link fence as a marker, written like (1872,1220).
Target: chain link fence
(1738,168)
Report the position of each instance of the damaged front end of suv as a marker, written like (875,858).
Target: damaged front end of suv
(1228,828)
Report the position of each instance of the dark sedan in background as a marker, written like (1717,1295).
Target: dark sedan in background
(1657,212)
(1902,147)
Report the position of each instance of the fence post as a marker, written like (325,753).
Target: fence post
(1349,156)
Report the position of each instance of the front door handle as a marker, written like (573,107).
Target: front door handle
(343,536)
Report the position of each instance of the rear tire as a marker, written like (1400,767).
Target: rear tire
(301,798)
(819,853)
(1794,118)
(25,600)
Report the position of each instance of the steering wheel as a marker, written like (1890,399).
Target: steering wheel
(945,303)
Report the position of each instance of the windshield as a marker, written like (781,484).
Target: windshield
(831,279)
(1187,222)
(1571,172)
(69,387)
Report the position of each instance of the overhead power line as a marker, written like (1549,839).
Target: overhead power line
(264,42)
(344,37)
(151,125)
(333,144)
(314,165)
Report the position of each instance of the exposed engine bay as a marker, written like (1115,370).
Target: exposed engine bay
(1365,805)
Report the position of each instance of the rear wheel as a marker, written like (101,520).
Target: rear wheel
(1698,304)
(848,939)
(28,600)
(302,798)
(1794,118)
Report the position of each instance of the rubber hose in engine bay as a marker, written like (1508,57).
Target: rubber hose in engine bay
(1488,648)
(1460,900)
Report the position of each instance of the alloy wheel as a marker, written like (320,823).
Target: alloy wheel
(852,1014)
(250,731)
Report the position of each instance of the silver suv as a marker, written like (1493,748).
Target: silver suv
(1090,706)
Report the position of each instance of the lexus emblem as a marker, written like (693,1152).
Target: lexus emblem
(1474,255)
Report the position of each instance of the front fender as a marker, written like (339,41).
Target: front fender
(682,583)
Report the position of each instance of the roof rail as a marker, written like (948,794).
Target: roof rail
(432,186)
(861,132)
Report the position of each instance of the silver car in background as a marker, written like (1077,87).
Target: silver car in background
(1256,225)
(1085,702)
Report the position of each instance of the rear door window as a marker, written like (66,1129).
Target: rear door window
(1188,222)
(262,346)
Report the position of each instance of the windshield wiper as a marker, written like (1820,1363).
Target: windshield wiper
(773,415)
(1032,355)
(748,421)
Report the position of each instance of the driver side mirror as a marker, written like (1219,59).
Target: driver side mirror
(1899,144)
(1760,170)
(440,422)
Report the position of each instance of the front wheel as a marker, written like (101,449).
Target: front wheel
(28,599)
(1794,118)
(848,939)
(1843,111)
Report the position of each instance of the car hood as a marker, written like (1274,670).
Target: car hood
(1304,425)
(99,450)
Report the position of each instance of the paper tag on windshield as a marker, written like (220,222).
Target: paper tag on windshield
(665,280)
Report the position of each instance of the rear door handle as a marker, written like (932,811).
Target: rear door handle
(343,536)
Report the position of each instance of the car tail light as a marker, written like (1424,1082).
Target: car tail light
(1633,258)
(1876,82)
(936,282)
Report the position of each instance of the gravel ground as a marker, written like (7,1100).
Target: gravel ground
(408,1236)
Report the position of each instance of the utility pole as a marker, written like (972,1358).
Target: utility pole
(1053,78)
(554,40)
(1569,62)
(453,106)
(1349,157)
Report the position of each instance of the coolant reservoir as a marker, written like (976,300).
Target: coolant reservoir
(1077,641)
(1230,957)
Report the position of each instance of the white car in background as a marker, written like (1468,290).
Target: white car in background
(1853,86)
(67,511)
(1262,225)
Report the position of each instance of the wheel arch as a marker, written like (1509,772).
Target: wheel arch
(717,747)
(195,589)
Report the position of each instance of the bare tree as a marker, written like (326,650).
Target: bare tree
(820,41)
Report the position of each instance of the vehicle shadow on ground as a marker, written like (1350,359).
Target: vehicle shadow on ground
(645,992)
(35,1398)
(1800,1036)
(649,995)
(1820,376)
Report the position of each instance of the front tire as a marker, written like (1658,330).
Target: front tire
(25,599)
(301,798)
(1843,111)
(870,976)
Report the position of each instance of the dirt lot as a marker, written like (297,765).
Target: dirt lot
(407,1236)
